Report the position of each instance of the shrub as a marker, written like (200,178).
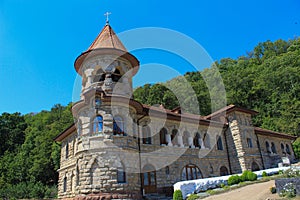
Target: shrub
(193,197)
(235,179)
(264,174)
(273,190)
(177,195)
(251,176)
(222,185)
(248,176)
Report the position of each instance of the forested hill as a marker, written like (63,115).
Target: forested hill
(29,158)
(267,80)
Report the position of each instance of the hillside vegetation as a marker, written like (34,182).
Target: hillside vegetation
(267,79)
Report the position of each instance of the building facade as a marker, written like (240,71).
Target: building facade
(119,148)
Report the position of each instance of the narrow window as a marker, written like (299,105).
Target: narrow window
(67,149)
(282,148)
(163,136)
(118,127)
(98,124)
(249,143)
(167,170)
(273,147)
(121,175)
(288,149)
(65,185)
(219,143)
(196,140)
(268,147)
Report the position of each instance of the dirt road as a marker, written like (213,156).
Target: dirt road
(259,191)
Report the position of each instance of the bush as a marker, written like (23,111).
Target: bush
(177,195)
(193,197)
(222,185)
(248,176)
(252,176)
(273,190)
(264,174)
(235,179)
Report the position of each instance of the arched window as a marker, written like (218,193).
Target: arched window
(219,143)
(118,127)
(163,136)
(98,124)
(254,166)
(65,184)
(146,135)
(223,171)
(196,140)
(67,149)
(190,172)
(273,147)
(121,174)
(174,136)
(288,151)
(282,148)
(268,147)
(99,76)
(116,75)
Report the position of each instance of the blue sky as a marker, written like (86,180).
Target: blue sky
(39,40)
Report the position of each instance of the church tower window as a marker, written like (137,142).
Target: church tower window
(98,124)
(118,126)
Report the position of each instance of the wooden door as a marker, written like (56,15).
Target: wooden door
(149,182)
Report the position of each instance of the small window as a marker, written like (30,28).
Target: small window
(146,135)
(163,136)
(268,147)
(167,170)
(67,149)
(196,140)
(288,149)
(273,147)
(249,143)
(282,148)
(65,185)
(118,126)
(219,143)
(98,124)
(121,175)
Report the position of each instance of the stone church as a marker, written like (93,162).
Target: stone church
(119,148)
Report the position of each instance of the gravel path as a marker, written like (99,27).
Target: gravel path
(259,191)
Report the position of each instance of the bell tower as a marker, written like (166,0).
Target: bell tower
(107,66)
(106,149)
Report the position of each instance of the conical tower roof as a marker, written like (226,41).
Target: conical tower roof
(107,43)
(107,38)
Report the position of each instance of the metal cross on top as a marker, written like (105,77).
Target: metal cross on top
(107,17)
